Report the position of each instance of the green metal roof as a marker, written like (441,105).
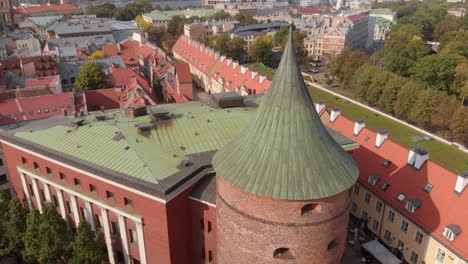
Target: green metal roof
(286,152)
(381,11)
(168,15)
(383,22)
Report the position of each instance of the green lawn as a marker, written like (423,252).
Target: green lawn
(440,153)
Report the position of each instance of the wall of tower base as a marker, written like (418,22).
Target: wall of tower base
(252,236)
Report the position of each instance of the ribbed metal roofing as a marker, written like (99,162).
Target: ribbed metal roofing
(286,152)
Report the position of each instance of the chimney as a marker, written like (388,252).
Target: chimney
(319,107)
(254,73)
(335,113)
(223,57)
(244,69)
(359,125)
(262,78)
(118,47)
(417,156)
(462,182)
(217,55)
(229,61)
(234,64)
(382,135)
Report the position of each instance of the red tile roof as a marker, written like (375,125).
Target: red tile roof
(130,51)
(440,207)
(309,10)
(101,98)
(170,90)
(37,107)
(129,80)
(50,81)
(358,17)
(183,72)
(46,8)
(195,54)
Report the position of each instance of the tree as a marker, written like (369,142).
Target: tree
(55,237)
(157,88)
(88,247)
(5,198)
(245,19)
(460,82)
(96,55)
(91,77)
(449,23)
(374,92)
(402,51)
(459,125)
(32,238)
(235,48)
(362,79)
(145,26)
(390,92)
(345,64)
(219,43)
(406,98)
(435,72)
(261,51)
(281,36)
(15,226)
(425,106)
(443,114)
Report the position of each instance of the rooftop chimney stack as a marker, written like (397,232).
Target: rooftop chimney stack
(254,74)
(243,69)
(335,113)
(359,125)
(462,182)
(217,55)
(382,135)
(262,78)
(319,107)
(234,64)
(229,61)
(223,57)
(417,156)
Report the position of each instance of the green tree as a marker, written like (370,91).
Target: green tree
(32,238)
(96,55)
(280,37)
(402,51)
(15,226)
(345,64)
(460,82)
(459,125)
(390,93)
(145,26)
(454,42)
(374,92)
(55,237)
(91,77)
(410,29)
(236,48)
(157,88)
(443,114)
(362,79)
(5,198)
(449,23)
(88,247)
(406,99)
(424,107)
(245,19)
(261,51)
(219,43)
(435,71)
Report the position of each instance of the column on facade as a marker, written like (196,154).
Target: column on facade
(107,235)
(141,242)
(89,215)
(74,204)
(26,190)
(36,193)
(47,192)
(124,239)
(63,212)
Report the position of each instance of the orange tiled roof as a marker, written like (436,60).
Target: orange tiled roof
(440,207)
(46,8)
(192,52)
(183,72)
(129,80)
(130,51)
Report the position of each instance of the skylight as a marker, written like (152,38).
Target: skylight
(428,187)
(385,186)
(401,197)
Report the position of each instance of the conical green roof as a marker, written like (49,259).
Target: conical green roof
(286,151)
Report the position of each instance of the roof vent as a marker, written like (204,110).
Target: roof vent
(144,127)
(228,99)
(135,111)
(359,126)
(452,231)
(335,112)
(412,205)
(401,197)
(262,78)
(160,112)
(374,179)
(428,188)
(385,186)
(382,135)
(417,156)
(319,107)
(77,122)
(462,182)
(101,117)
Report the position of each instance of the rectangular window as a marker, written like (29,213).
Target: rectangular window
(24,160)
(1,162)
(378,206)
(367,197)
(48,170)
(92,188)
(419,237)
(209,227)
(202,224)
(68,207)
(404,226)
(115,228)
(414,257)
(62,176)
(364,215)
(133,236)
(3,179)
(31,191)
(356,190)
(203,256)
(97,221)
(35,165)
(375,225)
(110,195)
(400,245)
(387,235)
(391,216)
(41,193)
(82,213)
(54,200)
(128,202)
(210,256)
(354,207)
(440,255)
(76,182)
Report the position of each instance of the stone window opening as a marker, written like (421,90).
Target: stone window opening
(310,208)
(333,244)
(283,253)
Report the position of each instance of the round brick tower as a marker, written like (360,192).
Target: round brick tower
(283,185)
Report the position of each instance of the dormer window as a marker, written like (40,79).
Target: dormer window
(428,188)
(385,186)
(451,231)
(412,205)
(401,197)
(374,179)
